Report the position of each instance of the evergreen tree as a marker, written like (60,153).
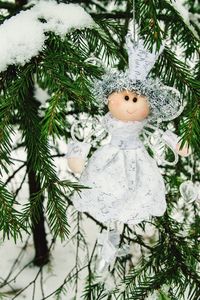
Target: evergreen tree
(168,264)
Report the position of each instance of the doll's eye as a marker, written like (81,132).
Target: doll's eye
(126,98)
(134,99)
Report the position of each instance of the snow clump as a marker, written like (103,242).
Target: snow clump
(22,36)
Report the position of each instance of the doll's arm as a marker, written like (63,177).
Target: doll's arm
(76,156)
(173,141)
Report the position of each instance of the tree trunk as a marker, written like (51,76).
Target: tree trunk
(38,227)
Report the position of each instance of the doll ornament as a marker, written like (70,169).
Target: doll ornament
(125,182)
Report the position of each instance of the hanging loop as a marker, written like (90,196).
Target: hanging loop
(134,23)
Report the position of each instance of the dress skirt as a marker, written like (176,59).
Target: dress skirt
(124,185)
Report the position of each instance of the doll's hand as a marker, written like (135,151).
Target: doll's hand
(76,164)
(185,151)
(76,156)
(172,140)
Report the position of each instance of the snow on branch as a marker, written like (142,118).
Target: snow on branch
(23,35)
(184,13)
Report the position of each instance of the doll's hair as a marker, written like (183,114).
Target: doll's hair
(165,102)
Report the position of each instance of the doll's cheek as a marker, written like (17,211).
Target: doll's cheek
(115,102)
(146,111)
(143,113)
(114,105)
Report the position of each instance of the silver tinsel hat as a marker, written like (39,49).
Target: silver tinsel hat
(165,102)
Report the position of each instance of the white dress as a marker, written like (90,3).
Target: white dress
(125,182)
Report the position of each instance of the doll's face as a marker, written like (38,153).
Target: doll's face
(128,106)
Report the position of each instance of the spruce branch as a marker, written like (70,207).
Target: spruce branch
(113,16)
(174,72)
(6,131)
(191,128)
(9,223)
(182,23)
(11,7)
(56,206)
(53,122)
(151,13)
(150,25)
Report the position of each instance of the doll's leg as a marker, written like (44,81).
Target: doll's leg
(108,242)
